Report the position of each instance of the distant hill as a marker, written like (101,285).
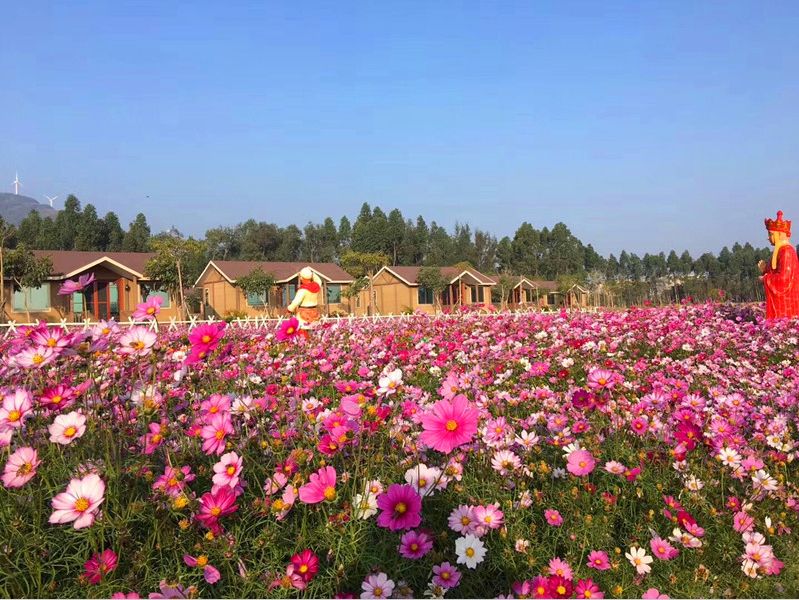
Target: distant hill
(14,208)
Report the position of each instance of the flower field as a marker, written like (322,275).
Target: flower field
(646,453)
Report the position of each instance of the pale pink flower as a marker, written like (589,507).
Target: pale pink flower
(16,408)
(228,469)
(67,427)
(80,502)
(21,467)
(137,341)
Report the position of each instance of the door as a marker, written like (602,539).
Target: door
(102,301)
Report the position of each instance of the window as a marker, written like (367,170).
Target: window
(425,295)
(32,299)
(333,293)
(477,294)
(551,299)
(289,291)
(77,303)
(148,293)
(257,299)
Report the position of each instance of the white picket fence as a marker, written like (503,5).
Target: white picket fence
(268,323)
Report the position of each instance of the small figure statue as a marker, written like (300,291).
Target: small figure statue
(781,275)
(306,301)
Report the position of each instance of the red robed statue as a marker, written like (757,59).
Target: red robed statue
(781,274)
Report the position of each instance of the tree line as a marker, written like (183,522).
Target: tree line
(553,254)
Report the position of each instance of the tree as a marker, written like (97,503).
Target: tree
(113,236)
(526,251)
(137,239)
(25,270)
(395,234)
(485,249)
(364,264)
(505,255)
(176,263)
(89,233)
(7,234)
(432,279)
(505,284)
(67,223)
(256,282)
(344,235)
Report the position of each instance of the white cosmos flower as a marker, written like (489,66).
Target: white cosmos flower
(470,551)
(639,559)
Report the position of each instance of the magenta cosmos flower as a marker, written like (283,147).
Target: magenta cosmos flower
(99,565)
(288,329)
(580,463)
(401,506)
(21,467)
(321,487)
(553,517)
(597,559)
(415,544)
(215,505)
(80,502)
(214,433)
(449,424)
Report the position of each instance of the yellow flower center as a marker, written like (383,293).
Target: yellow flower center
(290,330)
(81,504)
(38,359)
(303,568)
(231,470)
(150,311)
(216,511)
(422,482)
(330,493)
(157,438)
(106,331)
(445,575)
(602,381)
(14,416)
(202,560)
(137,345)
(465,520)
(400,508)
(172,482)
(582,464)
(51,342)
(452,425)
(378,592)
(587,594)
(25,468)
(219,434)
(469,552)
(206,338)
(56,399)
(561,589)
(70,431)
(414,546)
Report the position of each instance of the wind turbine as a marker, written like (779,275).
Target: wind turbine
(50,199)
(17,184)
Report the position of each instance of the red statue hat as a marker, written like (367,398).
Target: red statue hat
(779,224)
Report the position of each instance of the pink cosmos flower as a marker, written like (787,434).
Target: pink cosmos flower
(51,337)
(215,505)
(70,286)
(218,427)
(743,522)
(173,480)
(586,588)
(168,590)
(210,573)
(401,507)
(601,379)
(639,425)
(148,309)
(16,408)
(125,596)
(560,568)
(662,549)
(581,463)
(80,502)
(377,585)
(553,517)
(154,437)
(35,357)
(137,341)
(615,467)
(99,565)
(446,576)
(489,516)
(654,594)
(288,329)
(415,545)
(21,467)
(598,560)
(228,469)
(462,519)
(322,486)
(449,424)
(68,427)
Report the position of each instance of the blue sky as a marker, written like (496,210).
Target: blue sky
(641,125)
